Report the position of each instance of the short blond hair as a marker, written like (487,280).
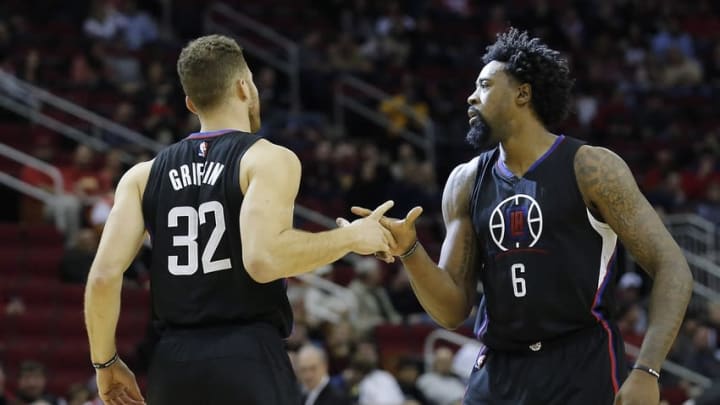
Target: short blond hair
(207,67)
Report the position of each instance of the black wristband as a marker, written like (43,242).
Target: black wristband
(648,370)
(107,364)
(411,250)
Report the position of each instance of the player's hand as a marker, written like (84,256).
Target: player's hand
(403,230)
(640,388)
(370,235)
(117,385)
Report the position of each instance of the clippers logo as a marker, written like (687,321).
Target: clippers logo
(203,149)
(516,223)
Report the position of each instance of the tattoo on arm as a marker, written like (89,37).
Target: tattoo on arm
(609,187)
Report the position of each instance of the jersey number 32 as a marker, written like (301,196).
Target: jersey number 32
(195,219)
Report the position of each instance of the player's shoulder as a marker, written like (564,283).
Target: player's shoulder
(137,176)
(591,161)
(460,182)
(264,152)
(139,170)
(463,175)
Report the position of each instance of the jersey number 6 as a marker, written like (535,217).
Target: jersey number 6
(517,281)
(195,219)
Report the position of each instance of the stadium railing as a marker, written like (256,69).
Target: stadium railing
(27,188)
(349,100)
(223,19)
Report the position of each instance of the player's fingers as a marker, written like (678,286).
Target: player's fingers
(389,238)
(413,215)
(360,211)
(124,398)
(382,209)
(134,392)
(384,256)
(341,222)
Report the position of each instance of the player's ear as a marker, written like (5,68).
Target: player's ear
(524,94)
(190,106)
(242,89)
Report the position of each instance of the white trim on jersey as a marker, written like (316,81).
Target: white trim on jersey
(609,241)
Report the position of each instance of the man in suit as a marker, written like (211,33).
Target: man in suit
(312,369)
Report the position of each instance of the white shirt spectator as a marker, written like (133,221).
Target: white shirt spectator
(380,388)
(441,389)
(104,22)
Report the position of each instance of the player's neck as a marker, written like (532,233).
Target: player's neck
(225,118)
(526,144)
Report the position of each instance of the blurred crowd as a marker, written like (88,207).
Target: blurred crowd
(648,79)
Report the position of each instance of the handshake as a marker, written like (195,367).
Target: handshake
(385,237)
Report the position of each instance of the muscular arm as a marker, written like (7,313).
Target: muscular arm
(609,187)
(272,249)
(121,239)
(447,290)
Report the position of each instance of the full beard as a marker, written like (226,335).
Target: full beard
(480,135)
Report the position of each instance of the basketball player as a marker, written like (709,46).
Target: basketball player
(536,219)
(218,207)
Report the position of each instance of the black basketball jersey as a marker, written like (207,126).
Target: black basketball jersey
(547,261)
(191,207)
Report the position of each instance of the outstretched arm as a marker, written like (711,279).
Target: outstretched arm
(447,291)
(272,249)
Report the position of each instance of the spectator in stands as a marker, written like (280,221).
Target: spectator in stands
(123,115)
(123,67)
(408,371)
(30,69)
(77,259)
(312,369)
(709,207)
(140,27)
(440,385)
(77,395)
(103,22)
(703,358)
(345,56)
(629,318)
(31,384)
(374,306)
(680,70)
(374,386)
(82,72)
(671,36)
(340,342)
(405,109)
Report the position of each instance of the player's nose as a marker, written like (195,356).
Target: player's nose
(473,99)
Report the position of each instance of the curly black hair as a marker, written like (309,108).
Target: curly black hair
(530,61)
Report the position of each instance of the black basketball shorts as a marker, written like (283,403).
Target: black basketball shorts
(222,366)
(586,368)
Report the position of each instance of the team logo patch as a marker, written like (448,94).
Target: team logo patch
(516,222)
(536,346)
(203,149)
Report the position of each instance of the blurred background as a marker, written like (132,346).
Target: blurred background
(371,95)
